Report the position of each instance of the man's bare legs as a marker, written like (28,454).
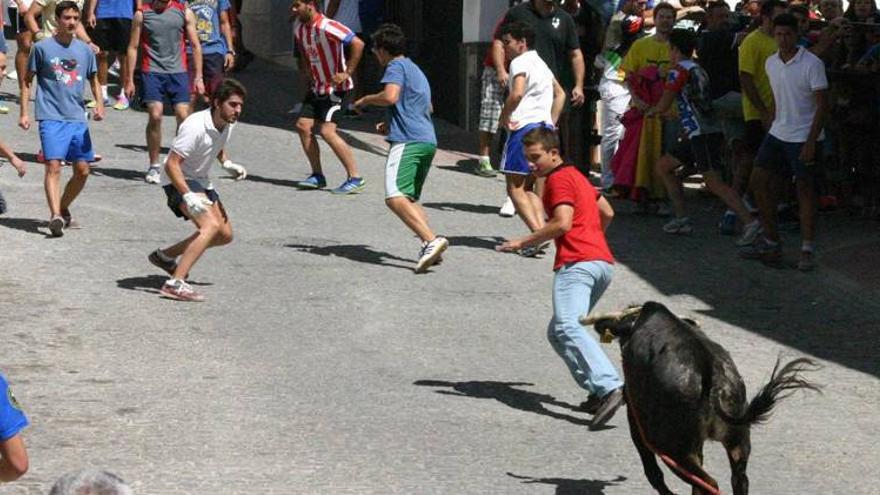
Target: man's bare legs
(214,229)
(154,131)
(52,185)
(340,148)
(413,215)
(304,127)
(526,202)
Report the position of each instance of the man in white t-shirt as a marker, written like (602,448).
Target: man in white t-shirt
(535,99)
(791,148)
(191,195)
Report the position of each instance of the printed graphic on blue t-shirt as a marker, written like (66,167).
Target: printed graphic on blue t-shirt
(62,72)
(12,420)
(114,9)
(207,14)
(409,120)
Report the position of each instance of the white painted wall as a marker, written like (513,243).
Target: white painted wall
(479,17)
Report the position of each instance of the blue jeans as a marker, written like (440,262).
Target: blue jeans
(576,288)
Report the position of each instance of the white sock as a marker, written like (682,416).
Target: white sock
(807,246)
(156,165)
(104,92)
(484,159)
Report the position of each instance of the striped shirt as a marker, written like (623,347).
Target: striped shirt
(322,43)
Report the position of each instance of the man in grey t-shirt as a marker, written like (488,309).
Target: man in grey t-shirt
(164,25)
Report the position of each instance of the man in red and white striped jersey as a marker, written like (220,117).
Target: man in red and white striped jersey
(322,43)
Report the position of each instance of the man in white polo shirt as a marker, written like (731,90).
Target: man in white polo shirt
(191,195)
(792,146)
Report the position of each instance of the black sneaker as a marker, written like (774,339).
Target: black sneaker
(591,405)
(167,266)
(607,408)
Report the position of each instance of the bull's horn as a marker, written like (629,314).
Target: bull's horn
(591,319)
(587,320)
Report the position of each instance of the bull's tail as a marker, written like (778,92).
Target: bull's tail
(783,382)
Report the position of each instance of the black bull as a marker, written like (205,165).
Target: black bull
(682,388)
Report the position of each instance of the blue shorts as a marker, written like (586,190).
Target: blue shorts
(159,87)
(513,160)
(66,140)
(784,158)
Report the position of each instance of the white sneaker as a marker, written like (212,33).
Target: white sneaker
(507,209)
(12,75)
(678,226)
(430,253)
(750,233)
(153,176)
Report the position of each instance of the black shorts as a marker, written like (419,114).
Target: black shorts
(323,108)
(111,34)
(17,20)
(703,153)
(174,198)
(754,136)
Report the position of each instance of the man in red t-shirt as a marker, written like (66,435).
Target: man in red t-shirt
(578,216)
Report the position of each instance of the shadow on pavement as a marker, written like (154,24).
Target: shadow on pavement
(465,207)
(142,148)
(272,180)
(463,167)
(362,145)
(150,283)
(805,311)
(565,486)
(507,394)
(28,225)
(119,173)
(355,252)
(479,242)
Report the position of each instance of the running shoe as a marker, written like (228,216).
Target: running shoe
(12,75)
(763,251)
(2,203)
(484,168)
(153,176)
(352,185)
(591,405)
(727,225)
(679,226)
(93,103)
(507,209)
(156,259)
(114,69)
(122,103)
(430,253)
(56,226)
(314,181)
(750,233)
(180,291)
(4,109)
(807,263)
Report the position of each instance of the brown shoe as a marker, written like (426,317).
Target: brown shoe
(606,410)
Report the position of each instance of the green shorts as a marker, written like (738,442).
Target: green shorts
(407,168)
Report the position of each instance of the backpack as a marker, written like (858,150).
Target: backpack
(698,92)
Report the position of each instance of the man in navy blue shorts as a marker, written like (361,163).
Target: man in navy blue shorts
(158,30)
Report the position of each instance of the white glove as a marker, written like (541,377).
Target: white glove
(196,204)
(237,171)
